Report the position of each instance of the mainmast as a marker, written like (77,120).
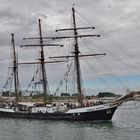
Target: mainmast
(76,52)
(77,64)
(15,70)
(41,59)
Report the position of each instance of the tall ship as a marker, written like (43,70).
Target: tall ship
(78,112)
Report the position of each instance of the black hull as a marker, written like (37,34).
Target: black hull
(105,114)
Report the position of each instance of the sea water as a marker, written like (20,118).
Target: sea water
(125,125)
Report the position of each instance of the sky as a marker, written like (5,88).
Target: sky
(117,21)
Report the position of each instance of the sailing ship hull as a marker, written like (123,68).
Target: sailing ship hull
(97,115)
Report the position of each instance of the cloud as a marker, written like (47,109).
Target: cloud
(119,19)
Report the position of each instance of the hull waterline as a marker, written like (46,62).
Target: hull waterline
(97,115)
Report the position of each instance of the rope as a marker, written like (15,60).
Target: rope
(113,74)
(65,78)
(103,81)
(116,43)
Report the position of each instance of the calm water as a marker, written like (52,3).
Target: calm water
(125,125)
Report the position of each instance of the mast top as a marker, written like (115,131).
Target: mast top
(73,5)
(39,19)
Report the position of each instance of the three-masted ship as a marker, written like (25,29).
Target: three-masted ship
(49,112)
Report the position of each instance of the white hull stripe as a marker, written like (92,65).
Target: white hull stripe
(89,109)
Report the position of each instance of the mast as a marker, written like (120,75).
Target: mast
(75,56)
(44,80)
(76,52)
(77,64)
(15,71)
(42,58)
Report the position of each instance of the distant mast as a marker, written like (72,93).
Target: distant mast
(15,70)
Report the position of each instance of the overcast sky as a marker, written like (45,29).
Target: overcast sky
(118,22)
